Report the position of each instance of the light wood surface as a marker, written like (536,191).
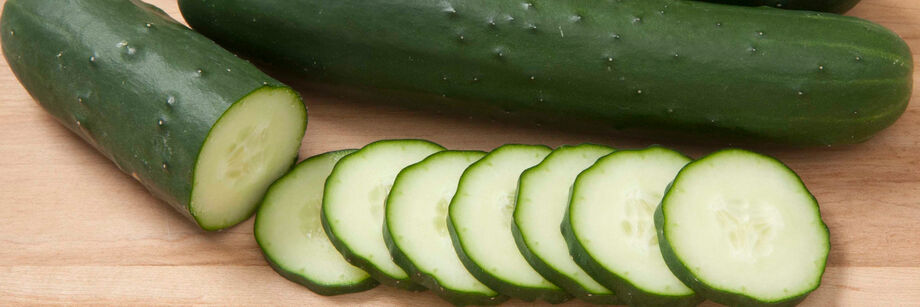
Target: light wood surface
(75,230)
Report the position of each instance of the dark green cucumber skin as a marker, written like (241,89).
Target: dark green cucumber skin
(318,288)
(141,88)
(560,280)
(626,291)
(682,272)
(831,6)
(651,66)
(458,298)
(553,296)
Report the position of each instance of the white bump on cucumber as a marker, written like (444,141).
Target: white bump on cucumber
(253,143)
(291,235)
(353,205)
(480,218)
(742,229)
(611,230)
(542,201)
(416,228)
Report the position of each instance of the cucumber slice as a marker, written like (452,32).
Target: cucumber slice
(480,224)
(742,229)
(542,199)
(289,231)
(353,205)
(610,228)
(416,228)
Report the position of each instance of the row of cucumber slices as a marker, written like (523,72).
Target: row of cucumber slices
(647,227)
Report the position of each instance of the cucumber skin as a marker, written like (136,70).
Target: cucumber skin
(682,272)
(628,293)
(367,284)
(717,86)
(514,291)
(564,282)
(831,6)
(346,251)
(457,298)
(115,102)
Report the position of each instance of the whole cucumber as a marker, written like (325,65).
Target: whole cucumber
(832,6)
(695,68)
(146,91)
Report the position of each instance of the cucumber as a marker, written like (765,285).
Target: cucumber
(416,228)
(541,204)
(742,229)
(659,66)
(610,229)
(832,6)
(353,205)
(480,218)
(289,231)
(199,128)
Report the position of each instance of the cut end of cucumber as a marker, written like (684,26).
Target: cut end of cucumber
(250,146)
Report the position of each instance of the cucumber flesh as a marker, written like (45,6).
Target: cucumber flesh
(480,218)
(416,228)
(254,142)
(289,231)
(742,229)
(542,201)
(611,231)
(353,205)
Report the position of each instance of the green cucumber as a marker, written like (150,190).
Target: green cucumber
(660,66)
(416,228)
(541,204)
(480,218)
(199,128)
(742,229)
(291,236)
(610,226)
(832,6)
(353,205)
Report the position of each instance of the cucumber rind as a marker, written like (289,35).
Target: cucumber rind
(199,220)
(715,294)
(350,255)
(570,285)
(626,291)
(315,286)
(525,293)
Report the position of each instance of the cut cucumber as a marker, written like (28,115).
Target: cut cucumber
(541,204)
(291,235)
(199,128)
(610,229)
(742,229)
(480,224)
(416,228)
(353,205)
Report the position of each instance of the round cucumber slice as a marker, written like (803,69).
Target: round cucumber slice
(289,231)
(253,143)
(480,224)
(610,227)
(542,201)
(742,229)
(353,205)
(416,228)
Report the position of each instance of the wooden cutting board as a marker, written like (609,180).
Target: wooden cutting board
(75,230)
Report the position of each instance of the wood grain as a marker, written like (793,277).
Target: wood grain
(75,230)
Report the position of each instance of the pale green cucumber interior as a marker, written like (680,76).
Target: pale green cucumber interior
(290,231)
(253,143)
(356,193)
(612,216)
(482,214)
(417,218)
(745,223)
(542,203)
